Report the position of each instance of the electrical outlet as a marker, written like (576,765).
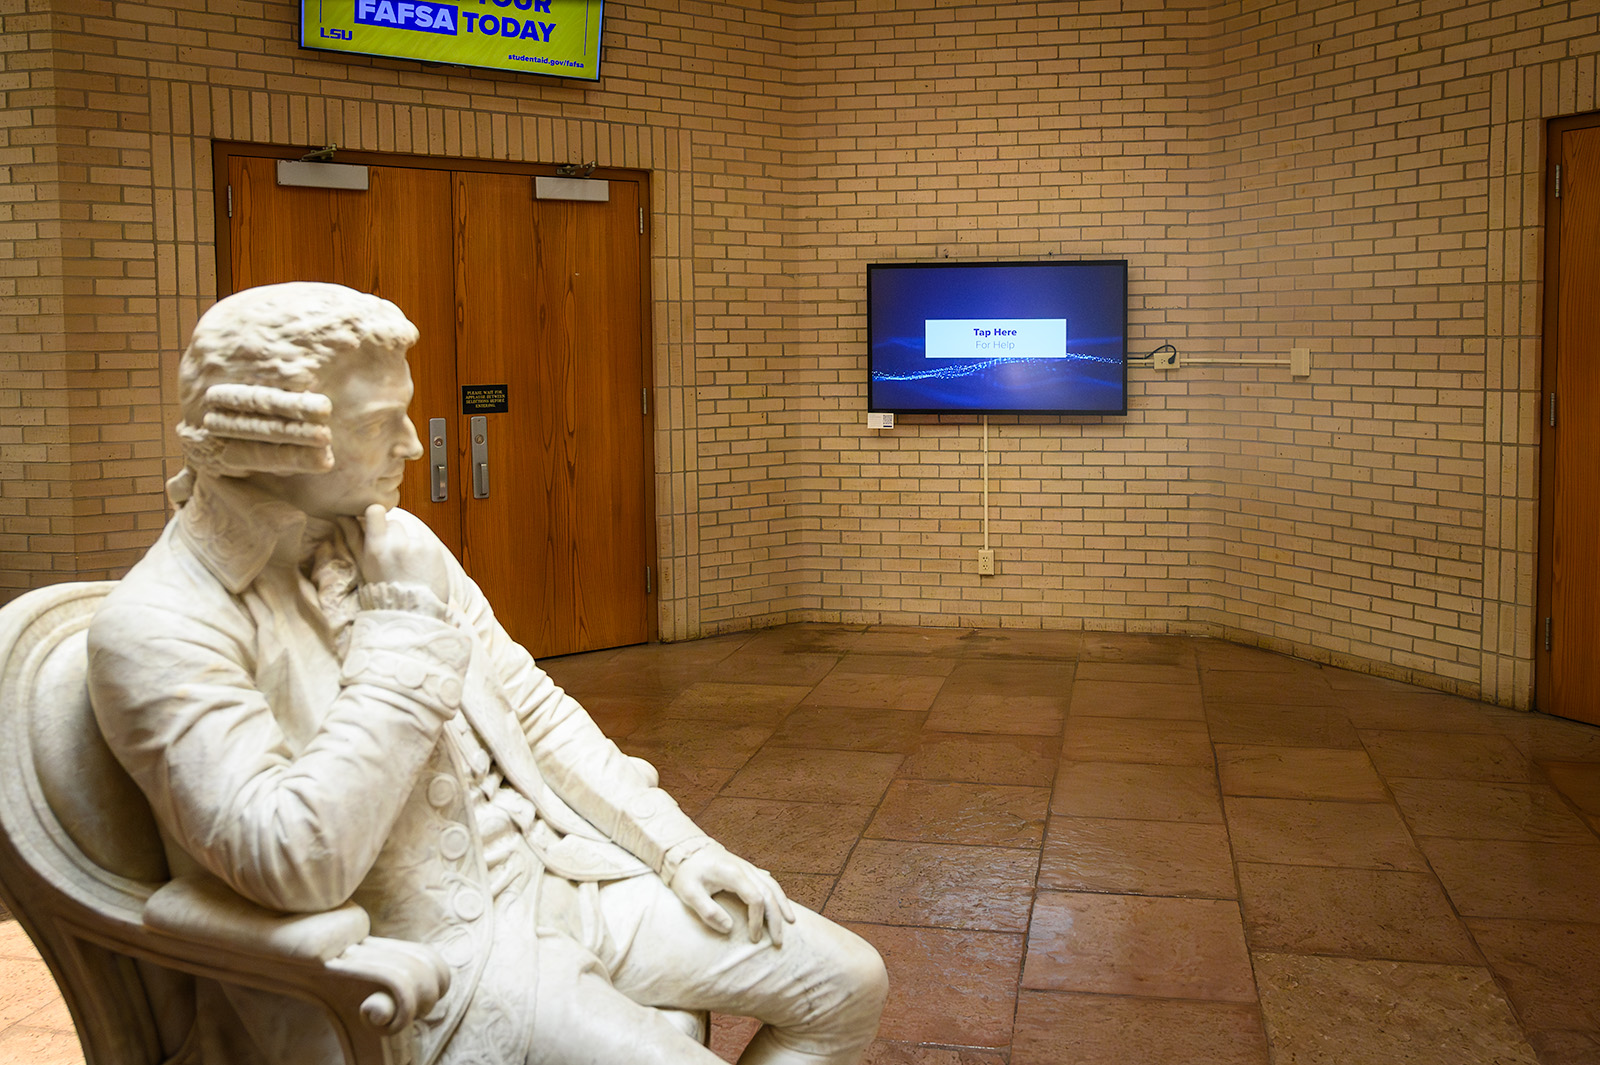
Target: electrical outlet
(985,562)
(1167,360)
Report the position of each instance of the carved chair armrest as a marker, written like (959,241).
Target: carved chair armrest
(329,957)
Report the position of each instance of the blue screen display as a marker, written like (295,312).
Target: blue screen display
(992,338)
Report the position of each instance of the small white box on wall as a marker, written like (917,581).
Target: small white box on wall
(876,420)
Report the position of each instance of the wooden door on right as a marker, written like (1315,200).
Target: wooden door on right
(1567,642)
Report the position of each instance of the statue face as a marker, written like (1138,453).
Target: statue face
(372,440)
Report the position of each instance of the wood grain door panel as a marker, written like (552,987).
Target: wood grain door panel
(562,534)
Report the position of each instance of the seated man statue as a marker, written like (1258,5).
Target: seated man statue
(320,707)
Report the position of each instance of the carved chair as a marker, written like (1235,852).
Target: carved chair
(82,868)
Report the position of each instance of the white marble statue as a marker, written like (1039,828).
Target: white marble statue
(320,707)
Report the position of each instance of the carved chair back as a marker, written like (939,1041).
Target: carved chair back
(79,850)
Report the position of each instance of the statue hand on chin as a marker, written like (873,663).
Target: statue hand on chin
(390,552)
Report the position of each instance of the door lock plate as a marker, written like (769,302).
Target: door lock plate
(438,461)
(478,429)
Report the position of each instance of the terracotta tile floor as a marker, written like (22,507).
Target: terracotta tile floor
(1098,848)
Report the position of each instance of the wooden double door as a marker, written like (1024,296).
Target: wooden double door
(532,320)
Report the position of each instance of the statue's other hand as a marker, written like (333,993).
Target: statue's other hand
(712,870)
(392,552)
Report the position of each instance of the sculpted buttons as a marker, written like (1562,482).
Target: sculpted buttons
(646,806)
(355,664)
(453,843)
(410,673)
(442,791)
(468,904)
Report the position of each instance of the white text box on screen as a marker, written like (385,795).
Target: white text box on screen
(995,338)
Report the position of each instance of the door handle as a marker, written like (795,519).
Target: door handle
(479,428)
(438,461)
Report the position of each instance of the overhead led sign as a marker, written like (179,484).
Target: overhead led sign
(559,37)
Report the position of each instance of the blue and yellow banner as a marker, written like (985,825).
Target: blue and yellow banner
(559,37)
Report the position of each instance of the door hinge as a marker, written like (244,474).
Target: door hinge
(1547,634)
(647,582)
(641,221)
(1558,181)
(230,201)
(644,394)
(1552,410)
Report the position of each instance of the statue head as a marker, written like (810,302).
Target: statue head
(302,389)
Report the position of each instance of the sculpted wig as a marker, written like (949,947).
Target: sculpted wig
(248,380)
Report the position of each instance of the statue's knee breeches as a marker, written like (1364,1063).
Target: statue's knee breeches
(820,993)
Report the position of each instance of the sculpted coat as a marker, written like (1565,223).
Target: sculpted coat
(216,680)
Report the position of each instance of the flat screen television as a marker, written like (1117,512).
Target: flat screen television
(1047,337)
(558,37)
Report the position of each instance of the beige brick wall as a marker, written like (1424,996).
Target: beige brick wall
(1358,177)
(78,389)
(1379,182)
(1000,131)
